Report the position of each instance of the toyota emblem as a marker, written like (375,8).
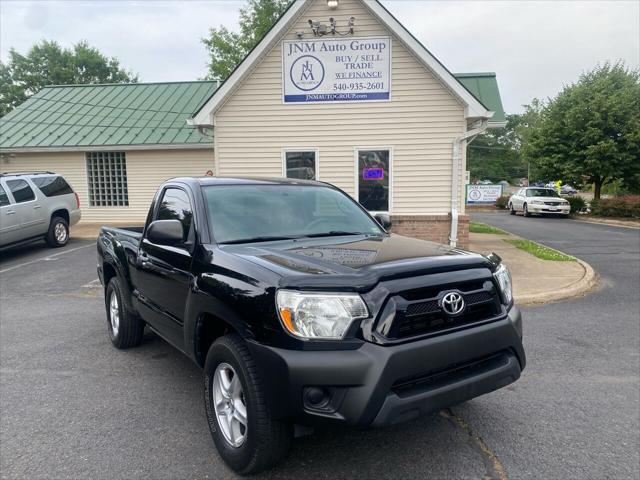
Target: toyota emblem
(452,303)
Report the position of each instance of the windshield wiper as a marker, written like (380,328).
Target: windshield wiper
(258,239)
(339,233)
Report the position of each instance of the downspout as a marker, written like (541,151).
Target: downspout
(455,177)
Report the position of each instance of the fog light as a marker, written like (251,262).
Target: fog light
(316,398)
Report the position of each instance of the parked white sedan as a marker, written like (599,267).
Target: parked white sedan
(538,200)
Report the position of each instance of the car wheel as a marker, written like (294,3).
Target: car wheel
(125,329)
(525,211)
(58,234)
(511,209)
(245,435)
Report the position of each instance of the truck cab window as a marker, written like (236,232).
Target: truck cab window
(175,205)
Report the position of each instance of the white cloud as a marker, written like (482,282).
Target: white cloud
(535,47)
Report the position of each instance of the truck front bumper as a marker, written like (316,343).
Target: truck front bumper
(376,385)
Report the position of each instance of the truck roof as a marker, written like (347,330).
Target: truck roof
(207,181)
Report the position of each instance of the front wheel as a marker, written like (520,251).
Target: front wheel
(526,211)
(245,435)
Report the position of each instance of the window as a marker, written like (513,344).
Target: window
(239,213)
(4,198)
(301,164)
(21,191)
(175,204)
(541,192)
(52,186)
(373,182)
(107,179)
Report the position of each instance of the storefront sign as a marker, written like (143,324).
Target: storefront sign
(478,194)
(336,70)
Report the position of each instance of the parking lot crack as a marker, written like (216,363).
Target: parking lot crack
(495,469)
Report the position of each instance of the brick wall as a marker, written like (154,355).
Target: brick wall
(431,227)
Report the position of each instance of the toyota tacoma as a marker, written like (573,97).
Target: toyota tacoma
(303,310)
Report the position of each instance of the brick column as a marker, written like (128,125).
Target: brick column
(435,228)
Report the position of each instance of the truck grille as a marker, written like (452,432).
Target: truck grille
(426,316)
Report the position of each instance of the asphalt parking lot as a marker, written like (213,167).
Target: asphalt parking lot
(74,407)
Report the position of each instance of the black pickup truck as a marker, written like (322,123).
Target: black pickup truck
(303,310)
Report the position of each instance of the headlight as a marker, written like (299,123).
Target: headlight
(319,315)
(537,202)
(504,280)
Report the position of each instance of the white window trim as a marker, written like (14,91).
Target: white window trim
(356,150)
(315,150)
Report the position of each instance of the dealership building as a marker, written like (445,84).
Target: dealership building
(338,91)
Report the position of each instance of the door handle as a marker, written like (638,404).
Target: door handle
(37,207)
(11,212)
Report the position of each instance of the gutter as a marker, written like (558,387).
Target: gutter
(455,174)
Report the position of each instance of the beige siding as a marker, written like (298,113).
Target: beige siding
(420,123)
(146,170)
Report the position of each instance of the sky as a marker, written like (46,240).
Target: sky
(535,47)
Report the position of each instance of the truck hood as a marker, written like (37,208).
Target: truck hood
(357,262)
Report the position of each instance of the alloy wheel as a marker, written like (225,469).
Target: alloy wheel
(229,405)
(114,313)
(60,233)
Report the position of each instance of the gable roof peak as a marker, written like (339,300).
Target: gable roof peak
(474,108)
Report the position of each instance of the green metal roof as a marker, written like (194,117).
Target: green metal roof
(484,87)
(141,114)
(106,115)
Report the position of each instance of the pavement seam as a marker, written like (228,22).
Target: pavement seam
(495,469)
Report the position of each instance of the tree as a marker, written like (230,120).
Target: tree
(47,63)
(227,49)
(495,154)
(591,130)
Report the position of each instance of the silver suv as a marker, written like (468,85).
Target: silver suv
(37,205)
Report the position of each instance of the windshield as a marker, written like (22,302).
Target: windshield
(246,213)
(541,192)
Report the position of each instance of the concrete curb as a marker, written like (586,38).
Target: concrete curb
(610,223)
(578,288)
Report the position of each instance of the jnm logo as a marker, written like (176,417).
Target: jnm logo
(307,73)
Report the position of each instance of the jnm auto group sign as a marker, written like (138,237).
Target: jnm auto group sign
(336,70)
(479,194)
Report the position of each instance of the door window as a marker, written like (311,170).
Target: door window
(4,198)
(175,205)
(21,191)
(374,169)
(300,165)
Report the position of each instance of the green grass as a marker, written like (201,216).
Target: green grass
(540,251)
(477,227)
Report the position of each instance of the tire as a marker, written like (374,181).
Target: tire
(511,209)
(127,329)
(58,234)
(263,441)
(525,211)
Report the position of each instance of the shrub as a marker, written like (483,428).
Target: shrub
(577,203)
(623,206)
(502,201)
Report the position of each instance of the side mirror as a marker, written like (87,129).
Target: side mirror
(384,220)
(166,232)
